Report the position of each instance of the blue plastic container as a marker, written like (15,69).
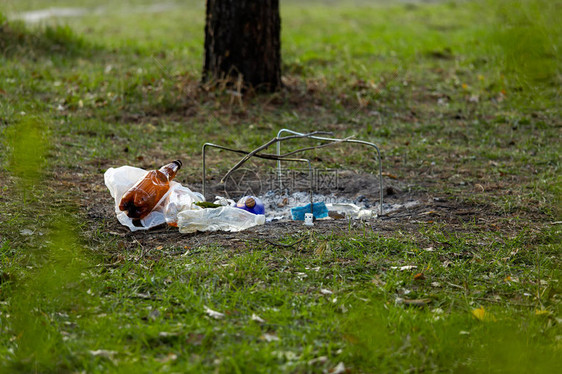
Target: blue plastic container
(319,210)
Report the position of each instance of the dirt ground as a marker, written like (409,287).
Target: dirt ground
(445,211)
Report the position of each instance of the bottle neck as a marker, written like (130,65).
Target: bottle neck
(171,169)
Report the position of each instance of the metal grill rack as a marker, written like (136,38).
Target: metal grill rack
(317,135)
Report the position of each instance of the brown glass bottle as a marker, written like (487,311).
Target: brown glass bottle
(140,199)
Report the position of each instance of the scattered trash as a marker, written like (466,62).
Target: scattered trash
(168,202)
(335,215)
(251,204)
(319,210)
(308,219)
(180,199)
(147,199)
(223,201)
(26,232)
(120,181)
(316,135)
(350,211)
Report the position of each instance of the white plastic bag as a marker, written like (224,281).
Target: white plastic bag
(179,199)
(119,180)
(351,210)
(224,218)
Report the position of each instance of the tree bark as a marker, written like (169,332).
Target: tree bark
(243,43)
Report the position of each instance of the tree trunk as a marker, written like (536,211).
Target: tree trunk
(243,43)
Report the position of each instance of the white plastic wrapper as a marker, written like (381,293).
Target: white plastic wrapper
(178,198)
(224,218)
(351,210)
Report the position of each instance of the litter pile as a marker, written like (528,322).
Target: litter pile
(285,206)
(290,206)
(145,199)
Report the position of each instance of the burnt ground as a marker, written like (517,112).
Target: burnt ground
(448,213)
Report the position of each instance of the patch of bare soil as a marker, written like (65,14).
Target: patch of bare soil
(446,212)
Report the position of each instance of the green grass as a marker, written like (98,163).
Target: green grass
(457,94)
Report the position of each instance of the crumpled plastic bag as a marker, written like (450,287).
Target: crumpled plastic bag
(178,198)
(351,211)
(224,218)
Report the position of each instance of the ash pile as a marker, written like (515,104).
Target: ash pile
(336,194)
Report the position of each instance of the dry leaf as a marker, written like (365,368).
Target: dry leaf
(419,276)
(392,176)
(481,314)
(429,212)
